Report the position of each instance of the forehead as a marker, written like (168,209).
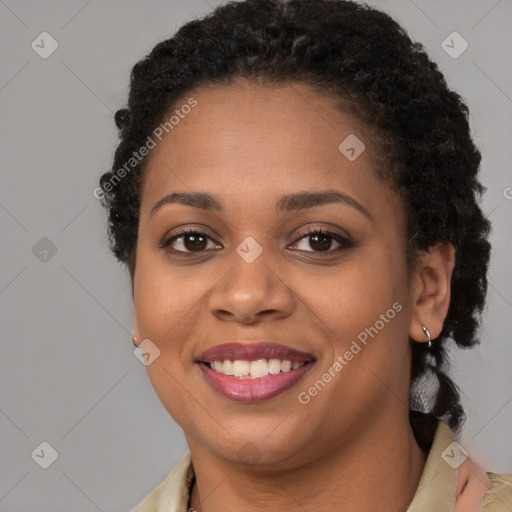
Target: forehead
(242,141)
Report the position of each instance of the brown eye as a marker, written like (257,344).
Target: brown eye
(187,242)
(321,241)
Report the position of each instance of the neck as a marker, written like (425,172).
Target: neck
(378,470)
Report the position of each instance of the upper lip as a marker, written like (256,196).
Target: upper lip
(251,351)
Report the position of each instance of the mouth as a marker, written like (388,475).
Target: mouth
(253,372)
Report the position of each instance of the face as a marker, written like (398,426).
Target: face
(320,278)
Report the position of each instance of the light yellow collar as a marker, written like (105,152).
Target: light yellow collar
(437,489)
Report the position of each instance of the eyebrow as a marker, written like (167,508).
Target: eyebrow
(287,203)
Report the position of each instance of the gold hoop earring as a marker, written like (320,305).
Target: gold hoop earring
(427,332)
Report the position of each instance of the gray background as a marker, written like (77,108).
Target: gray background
(68,373)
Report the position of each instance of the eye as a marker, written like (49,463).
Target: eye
(321,240)
(193,241)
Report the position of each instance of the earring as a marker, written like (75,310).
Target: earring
(427,332)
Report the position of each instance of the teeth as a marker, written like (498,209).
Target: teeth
(286,366)
(259,368)
(274,366)
(241,368)
(227,368)
(254,369)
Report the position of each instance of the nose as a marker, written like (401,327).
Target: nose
(251,292)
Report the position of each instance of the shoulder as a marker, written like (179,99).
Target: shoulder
(150,502)
(499,496)
(173,492)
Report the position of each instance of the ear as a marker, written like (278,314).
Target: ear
(131,269)
(430,290)
(135,332)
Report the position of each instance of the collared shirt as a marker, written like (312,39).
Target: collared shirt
(445,484)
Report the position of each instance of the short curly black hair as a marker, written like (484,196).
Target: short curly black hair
(364,58)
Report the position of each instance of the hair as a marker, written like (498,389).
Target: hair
(420,132)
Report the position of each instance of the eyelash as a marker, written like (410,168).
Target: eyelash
(344,242)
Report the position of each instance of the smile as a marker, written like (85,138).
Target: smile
(254,369)
(253,372)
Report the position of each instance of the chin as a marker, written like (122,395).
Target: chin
(277,443)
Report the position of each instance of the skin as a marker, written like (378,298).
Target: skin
(249,144)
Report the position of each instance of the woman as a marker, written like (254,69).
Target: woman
(295,196)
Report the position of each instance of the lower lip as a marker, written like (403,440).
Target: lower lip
(253,390)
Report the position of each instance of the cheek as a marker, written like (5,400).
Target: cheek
(167,304)
(355,295)
(363,312)
(164,294)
